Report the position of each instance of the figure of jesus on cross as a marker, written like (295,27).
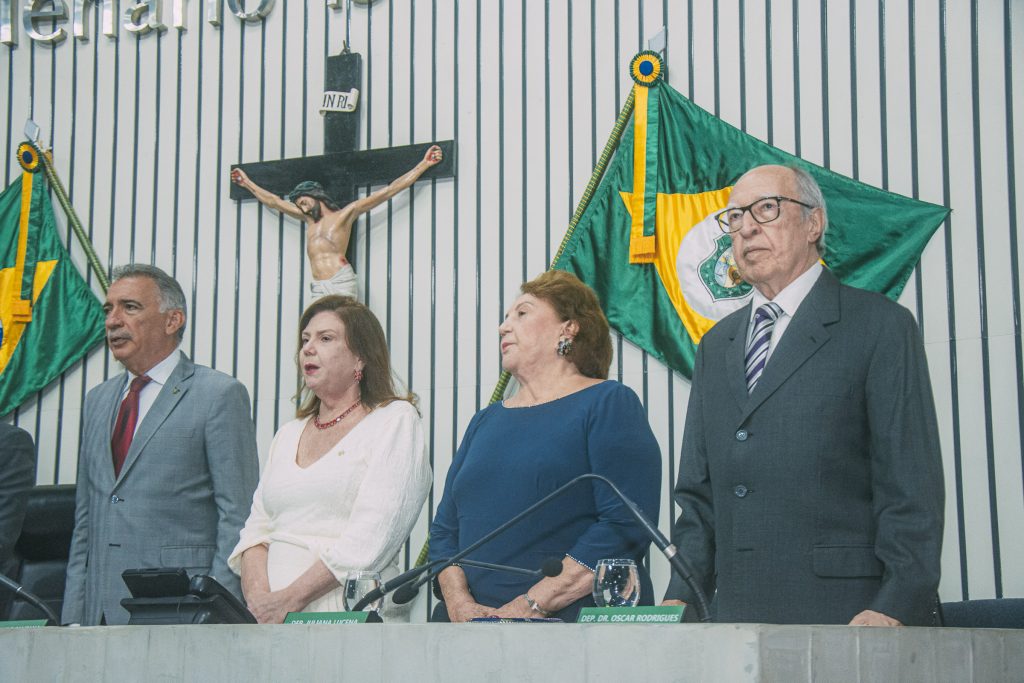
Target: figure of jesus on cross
(328,225)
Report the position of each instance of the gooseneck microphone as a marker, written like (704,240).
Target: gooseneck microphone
(551,567)
(395,583)
(405,588)
(432,569)
(410,576)
(667,549)
(20,592)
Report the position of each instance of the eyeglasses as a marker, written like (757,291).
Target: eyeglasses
(764,210)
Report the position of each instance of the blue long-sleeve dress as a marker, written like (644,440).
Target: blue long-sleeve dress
(512,457)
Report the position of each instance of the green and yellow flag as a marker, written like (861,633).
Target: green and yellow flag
(48,316)
(649,245)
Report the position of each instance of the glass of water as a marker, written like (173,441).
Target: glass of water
(357,585)
(616,583)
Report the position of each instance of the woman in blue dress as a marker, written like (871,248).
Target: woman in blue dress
(565,419)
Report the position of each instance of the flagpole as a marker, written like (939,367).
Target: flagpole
(581,208)
(69,211)
(588,194)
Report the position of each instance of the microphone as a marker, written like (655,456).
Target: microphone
(397,582)
(667,549)
(551,567)
(20,592)
(410,575)
(404,580)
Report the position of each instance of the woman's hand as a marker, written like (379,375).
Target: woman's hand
(871,618)
(517,608)
(553,593)
(271,607)
(457,598)
(466,610)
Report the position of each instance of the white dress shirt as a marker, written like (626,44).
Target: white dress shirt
(789,300)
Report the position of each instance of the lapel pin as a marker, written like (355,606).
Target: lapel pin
(174,390)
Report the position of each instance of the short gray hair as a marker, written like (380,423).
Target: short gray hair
(171,295)
(811,194)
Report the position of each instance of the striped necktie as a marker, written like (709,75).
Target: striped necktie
(757,350)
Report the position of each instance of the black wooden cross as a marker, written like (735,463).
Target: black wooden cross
(343,168)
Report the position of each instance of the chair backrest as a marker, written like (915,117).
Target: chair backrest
(42,549)
(997,613)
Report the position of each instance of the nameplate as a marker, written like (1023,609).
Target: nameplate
(326,618)
(658,614)
(24,623)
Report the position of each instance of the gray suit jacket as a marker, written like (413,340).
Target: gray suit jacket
(820,494)
(182,496)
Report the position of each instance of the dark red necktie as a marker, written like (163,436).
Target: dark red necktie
(124,426)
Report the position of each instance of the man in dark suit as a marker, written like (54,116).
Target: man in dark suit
(810,482)
(167,464)
(17,475)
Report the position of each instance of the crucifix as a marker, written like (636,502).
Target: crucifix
(321,190)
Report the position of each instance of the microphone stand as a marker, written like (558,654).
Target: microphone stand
(667,549)
(395,583)
(20,592)
(403,580)
(410,575)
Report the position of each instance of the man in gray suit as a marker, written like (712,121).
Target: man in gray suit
(810,482)
(168,462)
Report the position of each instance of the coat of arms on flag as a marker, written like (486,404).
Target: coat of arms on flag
(649,244)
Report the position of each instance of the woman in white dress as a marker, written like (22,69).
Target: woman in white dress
(344,482)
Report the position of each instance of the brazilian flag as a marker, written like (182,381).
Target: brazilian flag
(48,316)
(649,245)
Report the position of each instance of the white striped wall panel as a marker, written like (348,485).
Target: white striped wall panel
(919,97)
